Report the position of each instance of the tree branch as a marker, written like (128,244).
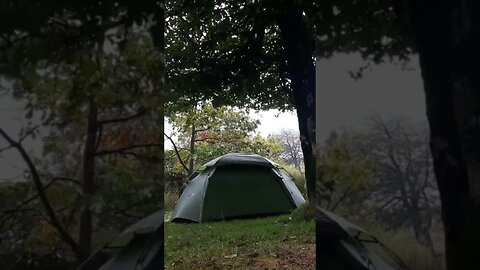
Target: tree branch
(206,139)
(41,193)
(340,200)
(177,152)
(123,149)
(27,201)
(202,129)
(125,213)
(122,119)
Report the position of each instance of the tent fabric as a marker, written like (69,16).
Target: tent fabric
(234,186)
(144,251)
(139,247)
(237,158)
(338,245)
(332,224)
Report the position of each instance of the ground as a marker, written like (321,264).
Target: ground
(266,243)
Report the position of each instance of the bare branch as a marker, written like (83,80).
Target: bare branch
(177,152)
(345,195)
(28,133)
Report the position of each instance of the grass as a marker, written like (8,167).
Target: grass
(267,243)
(415,255)
(403,243)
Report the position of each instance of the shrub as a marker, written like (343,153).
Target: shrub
(303,213)
(169,200)
(415,255)
(298,178)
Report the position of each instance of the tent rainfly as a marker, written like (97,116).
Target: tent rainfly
(237,186)
(139,247)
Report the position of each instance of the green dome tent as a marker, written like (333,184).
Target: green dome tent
(237,186)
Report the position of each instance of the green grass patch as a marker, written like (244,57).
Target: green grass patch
(264,243)
(402,242)
(415,255)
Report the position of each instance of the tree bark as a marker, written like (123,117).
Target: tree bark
(421,227)
(449,58)
(298,47)
(192,149)
(88,185)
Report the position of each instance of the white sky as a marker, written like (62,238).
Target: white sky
(386,90)
(272,121)
(11,120)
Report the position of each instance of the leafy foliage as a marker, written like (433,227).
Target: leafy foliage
(207,132)
(343,172)
(125,88)
(386,167)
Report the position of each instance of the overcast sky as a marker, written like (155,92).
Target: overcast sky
(386,90)
(11,119)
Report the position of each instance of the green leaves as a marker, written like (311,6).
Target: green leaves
(341,171)
(227,53)
(217,131)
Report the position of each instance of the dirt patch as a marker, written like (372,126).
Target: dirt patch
(281,258)
(287,258)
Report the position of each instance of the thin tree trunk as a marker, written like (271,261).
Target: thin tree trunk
(192,150)
(299,51)
(88,187)
(420,226)
(451,83)
(157,32)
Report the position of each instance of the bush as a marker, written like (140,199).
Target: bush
(170,200)
(298,178)
(415,255)
(304,212)
(401,241)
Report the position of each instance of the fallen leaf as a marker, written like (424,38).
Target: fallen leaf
(231,256)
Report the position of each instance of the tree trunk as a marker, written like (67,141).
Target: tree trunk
(298,46)
(449,64)
(88,188)
(421,228)
(157,31)
(192,150)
